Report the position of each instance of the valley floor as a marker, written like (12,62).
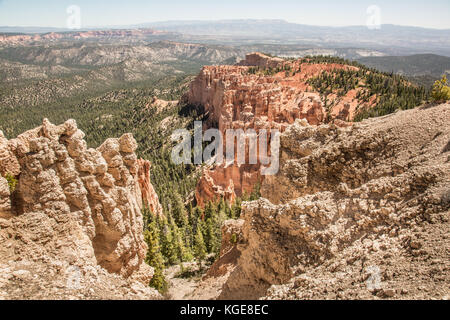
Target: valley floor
(194,285)
(180,288)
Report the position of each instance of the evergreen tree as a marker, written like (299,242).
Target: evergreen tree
(199,247)
(155,258)
(179,213)
(210,235)
(181,249)
(169,248)
(236,209)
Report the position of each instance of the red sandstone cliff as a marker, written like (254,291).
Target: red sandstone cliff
(243,97)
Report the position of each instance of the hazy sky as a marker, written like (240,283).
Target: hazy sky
(431,13)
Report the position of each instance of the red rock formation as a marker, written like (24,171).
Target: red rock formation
(16,39)
(243,97)
(227,182)
(257,59)
(149,196)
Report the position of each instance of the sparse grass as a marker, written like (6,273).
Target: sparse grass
(12,182)
(441,90)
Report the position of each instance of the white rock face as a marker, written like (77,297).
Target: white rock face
(5,201)
(75,209)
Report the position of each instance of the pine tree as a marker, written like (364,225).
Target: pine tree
(236,209)
(155,258)
(209,211)
(182,252)
(228,211)
(199,247)
(210,235)
(179,213)
(168,244)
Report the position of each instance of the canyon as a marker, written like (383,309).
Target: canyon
(267,93)
(357,211)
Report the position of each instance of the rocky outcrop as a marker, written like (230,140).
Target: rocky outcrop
(149,196)
(272,96)
(5,198)
(74,209)
(226,183)
(145,192)
(231,237)
(260,60)
(8,162)
(355,213)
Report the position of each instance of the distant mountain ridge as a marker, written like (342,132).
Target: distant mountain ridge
(396,40)
(404,39)
(25,30)
(415,65)
(423,68)
(24,38)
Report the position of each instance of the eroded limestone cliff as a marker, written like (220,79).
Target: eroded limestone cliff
(73,227)
(355,213)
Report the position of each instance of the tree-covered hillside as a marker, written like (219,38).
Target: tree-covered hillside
(422,69)
(387,92)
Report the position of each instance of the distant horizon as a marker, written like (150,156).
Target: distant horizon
(141,24)
(434,14)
